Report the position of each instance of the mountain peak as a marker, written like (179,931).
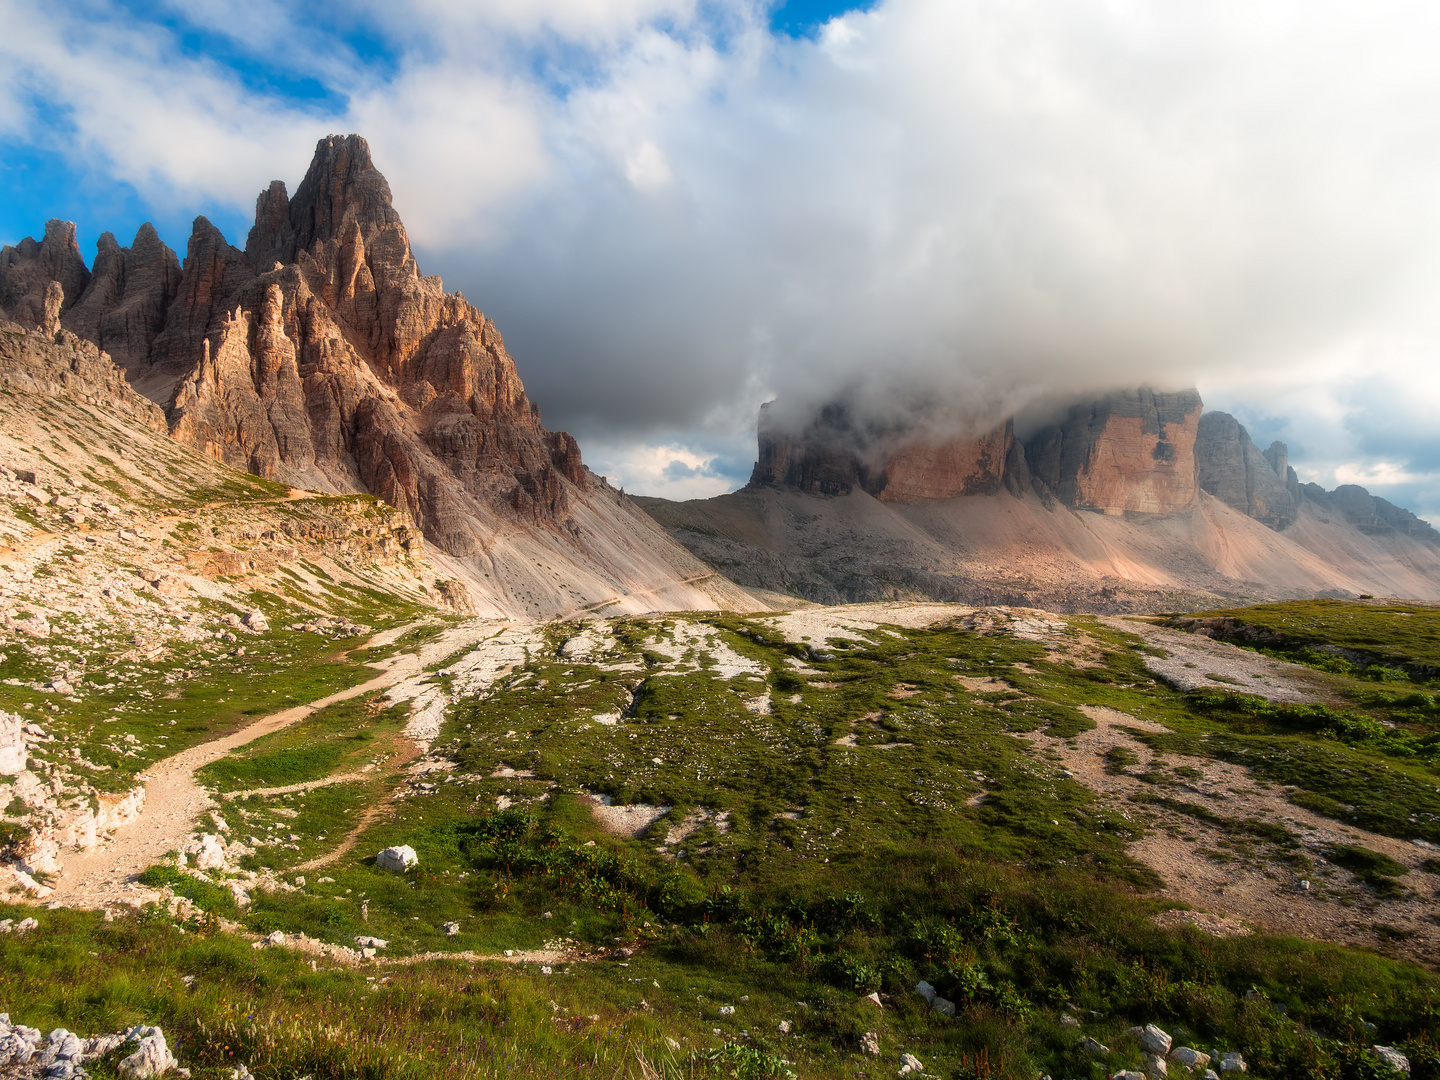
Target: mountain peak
(341,186)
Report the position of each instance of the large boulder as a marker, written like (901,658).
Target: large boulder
(397,859)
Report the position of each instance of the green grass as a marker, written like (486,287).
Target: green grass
(836,870)
(338,738)
(1376,634)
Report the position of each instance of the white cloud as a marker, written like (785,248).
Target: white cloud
(670,470)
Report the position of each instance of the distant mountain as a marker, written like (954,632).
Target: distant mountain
(1136,500)
(321,357)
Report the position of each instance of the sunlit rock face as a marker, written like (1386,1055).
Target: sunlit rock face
(1129,451)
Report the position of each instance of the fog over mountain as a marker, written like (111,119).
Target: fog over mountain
(675,211)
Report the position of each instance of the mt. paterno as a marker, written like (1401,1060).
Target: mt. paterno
(321,357)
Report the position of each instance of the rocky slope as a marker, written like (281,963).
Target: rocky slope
(1190,512)
(319,356)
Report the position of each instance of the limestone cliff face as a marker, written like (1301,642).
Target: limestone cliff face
(123,307)
(321,357)
(949,469)
(1235,470)
(1130,451)
(834,455)
(828,457)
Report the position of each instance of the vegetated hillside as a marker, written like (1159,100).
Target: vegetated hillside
(152,598)
(1025,549)
(320,356)
(691,845)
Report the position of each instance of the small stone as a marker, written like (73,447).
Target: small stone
(1233,1062)
(925,990)
(451,929)
(1091,1046)
(1156,1067)
(943,1007)
(371,942)
(870,1043)
(276,938)
(874,998)
(1068,1021)
(909,1063)
(727,1010)
(784,1027)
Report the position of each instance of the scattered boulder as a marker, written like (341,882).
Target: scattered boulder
(209,852)
(397,859)
(783,1027)
(256,622)
(874,998)
(870,1043)
(1094,1047)
(152,1058)
(1156,1067)
(1188,1058)
(13,752)
(1388,1055)
(451,929)
(1233,1062)
(909,1063)
(1155,1041)
(371,942)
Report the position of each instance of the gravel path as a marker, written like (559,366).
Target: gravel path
(174,800)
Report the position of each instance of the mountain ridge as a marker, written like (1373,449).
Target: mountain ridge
(1130,502)
(321,357)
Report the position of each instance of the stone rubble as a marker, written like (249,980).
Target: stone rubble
(26,1053)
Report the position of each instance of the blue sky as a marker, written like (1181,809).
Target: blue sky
(678,209)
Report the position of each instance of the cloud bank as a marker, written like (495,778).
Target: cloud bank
(675,213)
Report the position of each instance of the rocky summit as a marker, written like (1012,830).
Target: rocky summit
(320,357)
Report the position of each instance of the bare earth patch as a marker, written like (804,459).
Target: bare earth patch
(1198,662)
(1202,865)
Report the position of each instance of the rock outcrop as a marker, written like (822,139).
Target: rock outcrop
(65,366)
(123,308)
(321,357)
(1235,470)
(28,268)
(1130,451)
